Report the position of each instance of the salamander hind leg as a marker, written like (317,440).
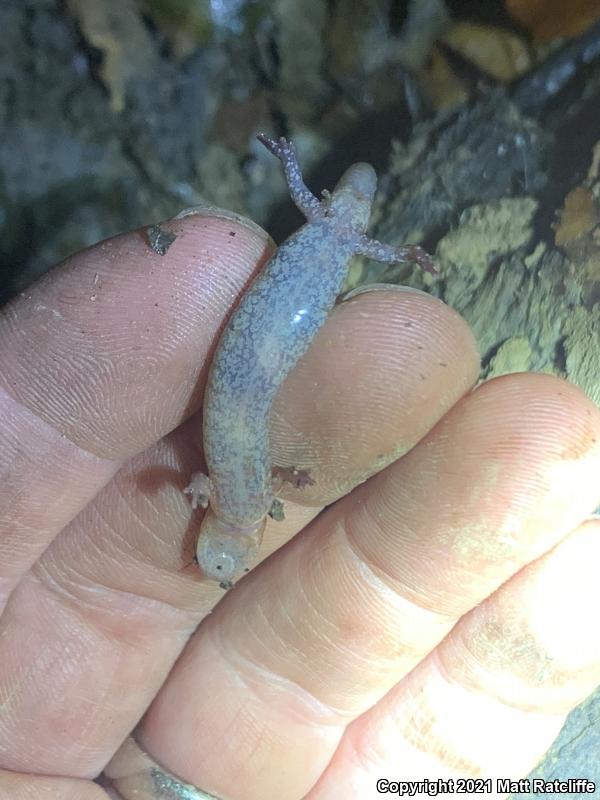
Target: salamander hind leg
(308,204)
(199,490)
(389,254)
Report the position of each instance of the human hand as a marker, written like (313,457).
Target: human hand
(437,621)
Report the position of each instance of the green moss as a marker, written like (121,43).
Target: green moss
(192,16)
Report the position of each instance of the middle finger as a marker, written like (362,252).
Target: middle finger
(320,632)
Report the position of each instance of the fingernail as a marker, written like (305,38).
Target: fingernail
(379,287)
(223,213)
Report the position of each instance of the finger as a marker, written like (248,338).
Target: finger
(101,358)
(17,786)
(110,590)
(310,640)
(391,382)
(492,697)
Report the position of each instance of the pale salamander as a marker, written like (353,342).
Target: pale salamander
(270,330)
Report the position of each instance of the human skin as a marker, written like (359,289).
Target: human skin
(438,621)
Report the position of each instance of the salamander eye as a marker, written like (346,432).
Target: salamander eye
(225,554)
(221,558)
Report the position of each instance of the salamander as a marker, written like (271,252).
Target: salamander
(272,327)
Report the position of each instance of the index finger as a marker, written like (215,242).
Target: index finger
(102,357)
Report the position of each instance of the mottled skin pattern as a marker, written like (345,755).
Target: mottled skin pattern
(270,330)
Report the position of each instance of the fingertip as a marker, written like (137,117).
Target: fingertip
(216,212)
(382,372)
(131,326)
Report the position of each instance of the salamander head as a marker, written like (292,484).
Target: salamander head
(224,552)
(353,195)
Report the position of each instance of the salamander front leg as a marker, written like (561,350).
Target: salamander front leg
(199,490)
(298,478)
